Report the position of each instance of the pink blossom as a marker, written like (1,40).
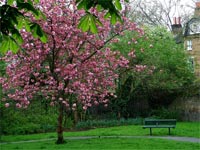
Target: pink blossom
(132,54)
(96,103)
(71,62)
(7,105)
(58,70)
(52,103)
(84,107)
(66,104)
(18,105)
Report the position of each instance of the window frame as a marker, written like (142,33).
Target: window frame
(191,62)
(189,45)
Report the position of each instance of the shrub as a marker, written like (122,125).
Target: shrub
(27,121)
(107,123)
(164,113)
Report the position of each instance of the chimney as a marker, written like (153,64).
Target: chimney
(179,20)
(197,4)
(197,9)
(174,20)
(177,29)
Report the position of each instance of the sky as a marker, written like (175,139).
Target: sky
(187,5)
(182,7)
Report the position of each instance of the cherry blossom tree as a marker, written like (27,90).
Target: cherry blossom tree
(72,69)
(13,18)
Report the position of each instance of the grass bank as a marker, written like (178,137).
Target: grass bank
(186,129)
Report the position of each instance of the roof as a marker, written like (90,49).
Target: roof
(187,27)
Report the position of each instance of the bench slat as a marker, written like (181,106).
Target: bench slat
(159,126)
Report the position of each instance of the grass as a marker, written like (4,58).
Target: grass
(105,144)
(187,129)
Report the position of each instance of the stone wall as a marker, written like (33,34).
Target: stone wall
(188,108)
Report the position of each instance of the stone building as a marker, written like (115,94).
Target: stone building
(192,40)
(189,107)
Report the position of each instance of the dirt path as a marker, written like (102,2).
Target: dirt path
(183,139)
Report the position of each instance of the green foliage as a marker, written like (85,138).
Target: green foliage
(167,71)
(164,113)
(37,32)
(12,21)
(39,119)
(2,68)
(107,123)
(89,21)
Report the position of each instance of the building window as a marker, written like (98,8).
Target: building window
(189,45)
(191,63)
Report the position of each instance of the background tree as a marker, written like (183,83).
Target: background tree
(72,70)
(160,12)
(160,71)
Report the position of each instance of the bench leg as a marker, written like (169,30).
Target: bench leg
(169,131)
(150,131)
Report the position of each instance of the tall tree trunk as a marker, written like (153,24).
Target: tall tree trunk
(75,116)
(119,115)
(60,139)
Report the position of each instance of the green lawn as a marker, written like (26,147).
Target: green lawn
(188,129)
(182,129)
(105,144)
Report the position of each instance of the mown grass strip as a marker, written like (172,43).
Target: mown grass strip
(106,144)
(186,129)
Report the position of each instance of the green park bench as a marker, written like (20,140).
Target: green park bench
(159,123)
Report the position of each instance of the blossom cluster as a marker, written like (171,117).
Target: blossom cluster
(72,62)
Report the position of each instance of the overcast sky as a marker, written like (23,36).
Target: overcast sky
(182,7)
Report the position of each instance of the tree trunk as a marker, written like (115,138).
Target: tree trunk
(60,139)
(75,116)
(119,115)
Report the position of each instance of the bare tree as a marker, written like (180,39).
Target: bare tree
(160,12)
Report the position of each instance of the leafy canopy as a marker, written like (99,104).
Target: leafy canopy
(15,16)
(89,20)
(160,67)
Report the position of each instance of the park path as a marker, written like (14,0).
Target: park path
(176,138)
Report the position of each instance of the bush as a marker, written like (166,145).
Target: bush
(107,123)
(34,119)
(24,129)
(164,113)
